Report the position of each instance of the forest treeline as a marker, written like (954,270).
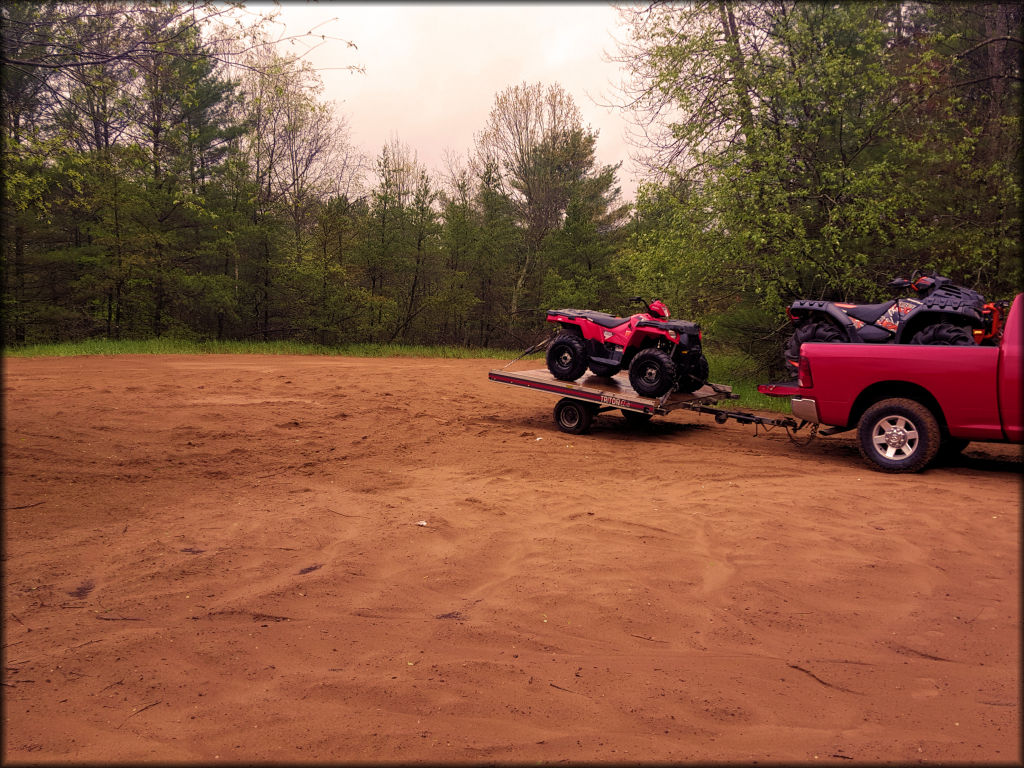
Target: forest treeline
(168,172)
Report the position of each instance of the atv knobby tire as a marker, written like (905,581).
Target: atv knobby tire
(945,334)
(652,372)
(822,331)
(696,378)
(567,357)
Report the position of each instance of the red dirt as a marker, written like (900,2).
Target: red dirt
(220,558)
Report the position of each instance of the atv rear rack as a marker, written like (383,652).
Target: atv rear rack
(599,394)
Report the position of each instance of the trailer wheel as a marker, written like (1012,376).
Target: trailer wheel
(573,416)
(898,435)
(652,372)
(567,357)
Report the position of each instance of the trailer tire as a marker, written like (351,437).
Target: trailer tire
(652,372)
(573,416)
(898,435)
(567,357)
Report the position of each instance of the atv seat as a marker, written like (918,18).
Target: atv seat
(868,312)
(598,318)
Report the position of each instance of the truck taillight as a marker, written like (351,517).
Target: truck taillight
(805,379)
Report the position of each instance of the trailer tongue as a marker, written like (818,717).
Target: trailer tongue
(581,401)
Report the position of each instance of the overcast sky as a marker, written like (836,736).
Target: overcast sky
(433,70)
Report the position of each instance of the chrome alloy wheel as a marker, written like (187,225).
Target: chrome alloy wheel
(894,437)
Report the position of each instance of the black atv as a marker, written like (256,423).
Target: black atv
(941,313)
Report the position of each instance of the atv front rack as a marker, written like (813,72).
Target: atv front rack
(600,394)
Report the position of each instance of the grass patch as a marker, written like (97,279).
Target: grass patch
(186,347)
(743,374)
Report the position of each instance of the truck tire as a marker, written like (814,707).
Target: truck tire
(696,378)
(652,372)
(567,357)
(945,334)
(820,331)
(898,435)
(573,416)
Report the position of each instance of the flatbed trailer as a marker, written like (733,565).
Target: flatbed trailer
(583,400)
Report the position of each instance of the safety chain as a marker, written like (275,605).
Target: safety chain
(529,351)
(810,435)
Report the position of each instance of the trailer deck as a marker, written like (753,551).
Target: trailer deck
(591,395)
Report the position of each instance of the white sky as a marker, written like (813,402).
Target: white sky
(433,69)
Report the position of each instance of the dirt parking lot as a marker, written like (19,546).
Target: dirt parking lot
(276,558)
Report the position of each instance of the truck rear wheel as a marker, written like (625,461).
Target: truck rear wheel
(567,357)
(898,435)
(573,416)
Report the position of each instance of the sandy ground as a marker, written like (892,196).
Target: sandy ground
(224,558)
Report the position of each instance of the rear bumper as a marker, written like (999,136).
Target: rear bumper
(782,389)
(805,408)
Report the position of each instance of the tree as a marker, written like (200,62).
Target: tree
(535,151)
(814,148)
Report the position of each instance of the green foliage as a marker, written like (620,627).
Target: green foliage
(802,149)
(818,150)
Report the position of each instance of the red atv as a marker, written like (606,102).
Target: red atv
(660,354)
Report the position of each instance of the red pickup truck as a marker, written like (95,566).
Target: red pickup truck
(909,403)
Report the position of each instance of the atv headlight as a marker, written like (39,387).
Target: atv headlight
(673,335)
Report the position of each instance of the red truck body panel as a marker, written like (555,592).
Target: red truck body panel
(962,380)
(980,390)
(1011,373)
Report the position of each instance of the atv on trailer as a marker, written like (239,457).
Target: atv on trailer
(661,355)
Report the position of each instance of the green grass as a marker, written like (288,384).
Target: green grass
(185,347)
(732,368)
(743,374)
